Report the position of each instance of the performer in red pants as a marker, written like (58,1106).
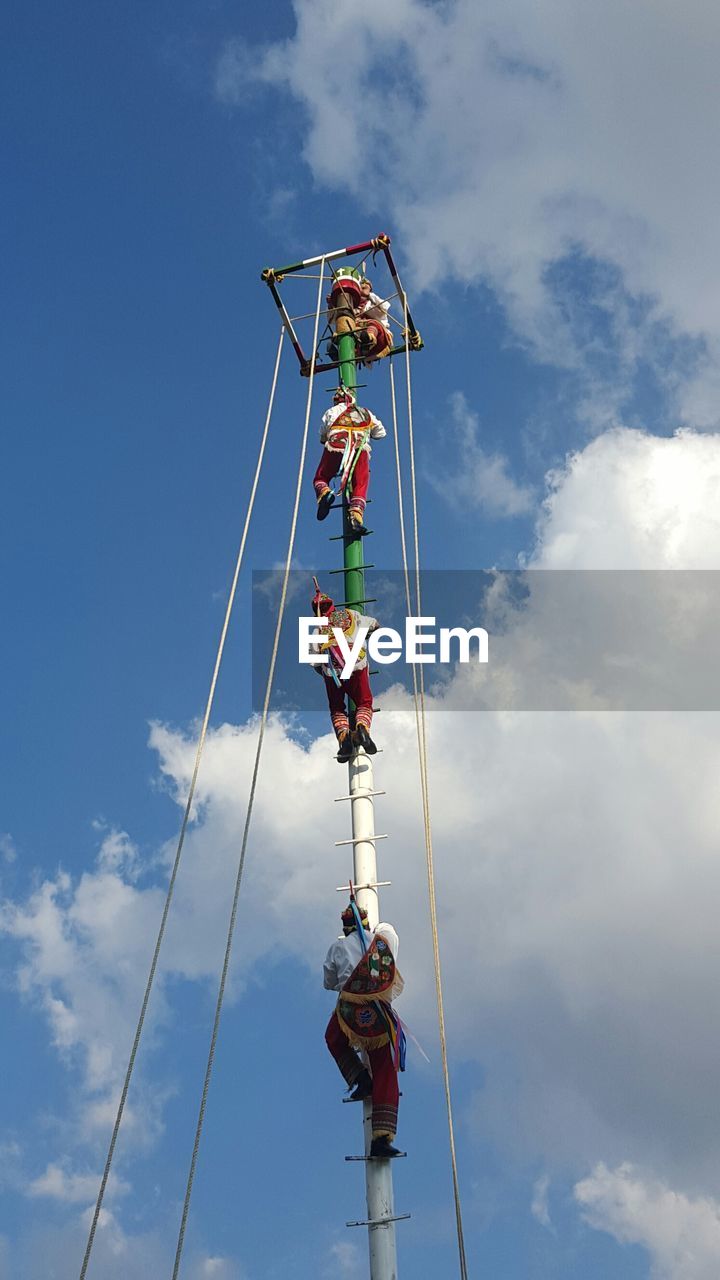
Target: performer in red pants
(373,336)
(346,432)
(362,968)
(357,685)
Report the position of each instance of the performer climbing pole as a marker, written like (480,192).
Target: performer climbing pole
(362,967)
(346,432)
(355,689)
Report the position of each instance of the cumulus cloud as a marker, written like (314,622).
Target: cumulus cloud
(539,1206)
(344,1261)
(586,908)
(83,945)
(631,500)
(575,862)
(484,481)
(118,853)
(682,1234)
(614,625)
(8,850)
(217,1269)
(576,866)
(58,1183)
(565,159)
(117,1254)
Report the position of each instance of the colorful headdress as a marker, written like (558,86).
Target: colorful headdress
(321,604)
(350,916)
(339,618)
(344,395)
(348,279)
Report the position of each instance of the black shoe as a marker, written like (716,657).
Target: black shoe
(345,748)
(324,504)
(383,1149)
(363,739)
(363,1088)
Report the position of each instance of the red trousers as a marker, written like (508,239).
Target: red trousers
(329,467)
(385,1092)
(357,687)
(381,341)
(381,336)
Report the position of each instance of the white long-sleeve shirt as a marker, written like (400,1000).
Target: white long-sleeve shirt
(345,954)
(358,422)
(376,308)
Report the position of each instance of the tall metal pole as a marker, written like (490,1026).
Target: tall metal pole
(352,546)
(378,1173)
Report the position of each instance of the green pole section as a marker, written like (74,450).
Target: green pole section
(352,547)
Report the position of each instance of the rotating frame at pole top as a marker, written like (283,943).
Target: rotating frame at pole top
(379,245)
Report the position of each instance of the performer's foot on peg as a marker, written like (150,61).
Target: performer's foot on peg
(363,1088)
(345,747)
(363,739)
(365,342)
(359,530)
(382,1149)
(325,502)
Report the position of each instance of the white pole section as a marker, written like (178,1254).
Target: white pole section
(378,1173)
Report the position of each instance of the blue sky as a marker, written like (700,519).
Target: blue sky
(547,177)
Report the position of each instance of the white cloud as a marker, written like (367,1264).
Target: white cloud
(8,850)
(344,1261)
(631,500)
(117,1255)
(681,1233)
(236,73)
(84,946)
(575,859)
(118,853)
(270,583)
(599,639)
(57,1183)
(11,1158)
(217,1269)
(483,480)
(515,142)
(539,1207)
(576,866)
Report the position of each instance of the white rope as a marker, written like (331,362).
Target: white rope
(401,512)
(419,704)
(185,821)
(251,801)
